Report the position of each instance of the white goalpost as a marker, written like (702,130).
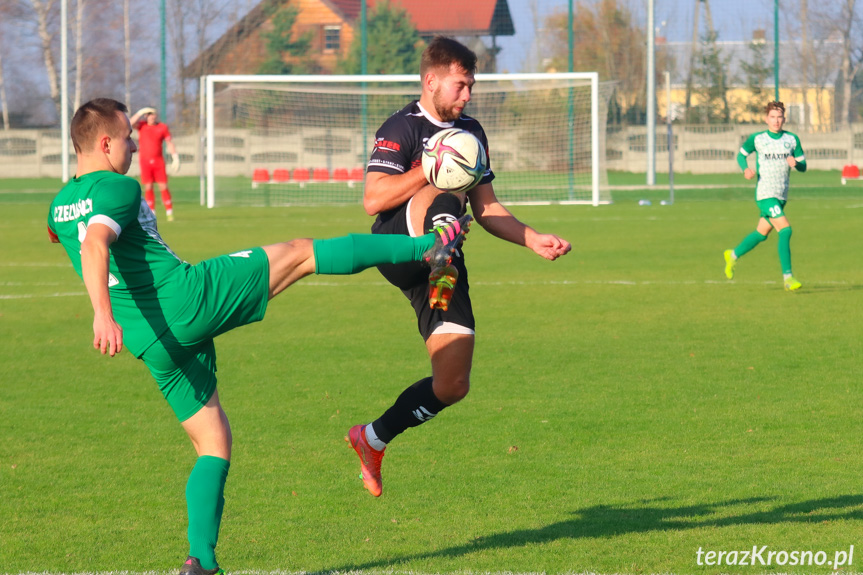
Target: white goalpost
(295,140)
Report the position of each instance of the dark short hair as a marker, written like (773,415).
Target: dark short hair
(95,117)
(774,105)
(443,52)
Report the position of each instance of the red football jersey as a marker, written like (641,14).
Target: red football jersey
(150,139)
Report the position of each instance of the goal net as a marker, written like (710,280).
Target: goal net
(295,140)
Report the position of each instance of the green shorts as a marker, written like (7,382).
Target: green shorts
(223,293)
(771,208)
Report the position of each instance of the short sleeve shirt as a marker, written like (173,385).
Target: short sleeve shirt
(150,140)
(771,164)
(143,271)
(400,140)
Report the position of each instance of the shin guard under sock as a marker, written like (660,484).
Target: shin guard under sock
(444,208)
(166,200)
(785,250)
(416,405)
(205,498)
(150,198)
(748,243)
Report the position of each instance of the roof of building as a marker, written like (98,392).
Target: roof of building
(445,17)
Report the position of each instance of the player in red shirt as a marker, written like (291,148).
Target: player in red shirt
(151,134)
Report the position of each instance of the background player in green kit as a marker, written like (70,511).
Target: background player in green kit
(777,152)
(167,312)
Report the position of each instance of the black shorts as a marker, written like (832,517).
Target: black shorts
(413,277)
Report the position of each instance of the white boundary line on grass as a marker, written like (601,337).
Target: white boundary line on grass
(509,283)
(351,572)
(35,265)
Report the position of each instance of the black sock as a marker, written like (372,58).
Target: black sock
(443,209)
(416,405)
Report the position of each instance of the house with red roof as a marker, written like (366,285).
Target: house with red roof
(335,23)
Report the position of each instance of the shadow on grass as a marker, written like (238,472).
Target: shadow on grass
(827,288)
(602,521)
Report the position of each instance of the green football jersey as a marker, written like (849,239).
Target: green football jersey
(142,268)
(773,170)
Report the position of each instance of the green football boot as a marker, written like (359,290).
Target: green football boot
(730,262)
(792,284)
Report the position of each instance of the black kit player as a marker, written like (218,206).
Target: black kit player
(167,311)
(397,192)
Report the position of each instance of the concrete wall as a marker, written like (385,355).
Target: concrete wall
(697,149)
(713,149)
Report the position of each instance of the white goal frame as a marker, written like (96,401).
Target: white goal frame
(210,81)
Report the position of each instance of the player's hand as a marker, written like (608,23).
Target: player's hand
(550,246)
(748,173)
(107,335)
(792,161)
(175,163)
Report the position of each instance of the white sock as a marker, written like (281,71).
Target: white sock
(372,438)
(786,276)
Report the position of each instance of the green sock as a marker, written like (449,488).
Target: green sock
(748,243)
(355,252)
(785,249)
(205,499)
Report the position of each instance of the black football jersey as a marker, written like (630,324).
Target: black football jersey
(400,140)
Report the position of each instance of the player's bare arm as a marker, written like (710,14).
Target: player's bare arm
(142,112)
(107,334)
(501,223)
(387,191)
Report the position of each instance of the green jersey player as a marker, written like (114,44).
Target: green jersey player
(167,312)
(777,152)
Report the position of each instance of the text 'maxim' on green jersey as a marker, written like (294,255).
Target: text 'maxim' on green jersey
(772,149)
(140,261)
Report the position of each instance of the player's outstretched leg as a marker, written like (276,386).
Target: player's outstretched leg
(355,252)
(443,275)
(370,459)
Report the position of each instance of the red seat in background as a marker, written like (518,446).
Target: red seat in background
(260,175)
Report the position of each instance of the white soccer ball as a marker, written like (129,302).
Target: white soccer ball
(454,160)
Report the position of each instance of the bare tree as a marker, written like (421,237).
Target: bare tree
(806,59)
(127,55)
(4,103)
(44,16)
(848,26)
(189,27)
(79,52)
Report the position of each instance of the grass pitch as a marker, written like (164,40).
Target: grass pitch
(629,405)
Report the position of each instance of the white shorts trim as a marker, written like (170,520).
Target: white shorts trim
(411,230)
(449,327)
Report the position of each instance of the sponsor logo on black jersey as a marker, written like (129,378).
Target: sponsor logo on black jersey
(383,145)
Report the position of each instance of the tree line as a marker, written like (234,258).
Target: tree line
(114,50)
